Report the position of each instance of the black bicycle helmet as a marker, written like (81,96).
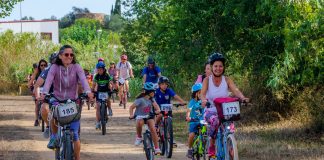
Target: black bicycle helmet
(52,57)
(150,60)
(216,57)
(163,79)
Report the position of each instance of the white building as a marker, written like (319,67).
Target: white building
(47,29)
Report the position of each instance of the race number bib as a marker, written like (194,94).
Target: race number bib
(231,108)
(103,95)
(67,109)
(166,107)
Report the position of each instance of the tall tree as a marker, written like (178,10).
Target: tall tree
(7,6)
(117,9)
(69,18)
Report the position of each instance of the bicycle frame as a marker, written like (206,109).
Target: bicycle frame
(223,131)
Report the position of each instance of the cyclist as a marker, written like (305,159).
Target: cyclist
(95,71)
(64,75)
(102,82)
(206,73)
(39,83)
(151,73)
(215,86)
(194,114)
(113,73)
(42,64)
(124,71)
(145,105)
(164,94)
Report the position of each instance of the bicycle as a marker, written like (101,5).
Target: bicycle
(228,110)
(39,106)
(147,138)
(122,81)
(66,112)
(102,100)
(166,137)
(200,142)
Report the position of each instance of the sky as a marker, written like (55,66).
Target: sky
(41,9)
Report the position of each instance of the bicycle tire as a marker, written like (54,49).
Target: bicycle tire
(231,148)
(103,113)
(148,146)
(168,134)
(68,152)
(43,126)
(125,100)
(161,138)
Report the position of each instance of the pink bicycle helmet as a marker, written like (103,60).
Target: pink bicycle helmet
(100,59)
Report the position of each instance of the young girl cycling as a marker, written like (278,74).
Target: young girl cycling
(194,115)
(146,105)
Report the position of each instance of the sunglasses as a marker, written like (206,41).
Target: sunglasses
(43,65)
(68,54)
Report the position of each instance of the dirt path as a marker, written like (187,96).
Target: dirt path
(19,139)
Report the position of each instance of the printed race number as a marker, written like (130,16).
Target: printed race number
(166,107)
(67,109)
(103,95)
(231,108)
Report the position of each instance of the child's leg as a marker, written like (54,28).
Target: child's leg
(190,140)
(139,124)
(151,125)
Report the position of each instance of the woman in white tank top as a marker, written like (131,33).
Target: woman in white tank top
(216,86)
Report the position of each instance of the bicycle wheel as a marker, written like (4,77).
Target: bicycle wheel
(161,138)
(113,96)
(125,99)
(103,114)
(88,104)
(231,148)
(205,145)
(68,146)
(168,134)
(43,126)
(148,146)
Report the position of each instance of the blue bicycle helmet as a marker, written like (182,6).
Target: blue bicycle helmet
(100,65)
(149,86)
(196,87)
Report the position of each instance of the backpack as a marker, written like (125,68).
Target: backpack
(127,65)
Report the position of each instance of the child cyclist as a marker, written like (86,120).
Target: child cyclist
(145,105)
(194,115)
(102,82)
(164,94)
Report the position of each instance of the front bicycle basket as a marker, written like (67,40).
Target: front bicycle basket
(67,112)
(228,109)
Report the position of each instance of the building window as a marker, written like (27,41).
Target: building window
(46,36)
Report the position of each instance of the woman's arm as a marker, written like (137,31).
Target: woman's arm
(234,89)
(32,78)
(204,92)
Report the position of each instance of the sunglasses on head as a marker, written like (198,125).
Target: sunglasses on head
(68,54)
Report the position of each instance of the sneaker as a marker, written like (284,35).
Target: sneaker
(52,143)
(98,126)
(211,151)
(138,141)
(157,151)
(190,153)
(175,145)
(46,133)
(128,94)
(36,123)
(120,103)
